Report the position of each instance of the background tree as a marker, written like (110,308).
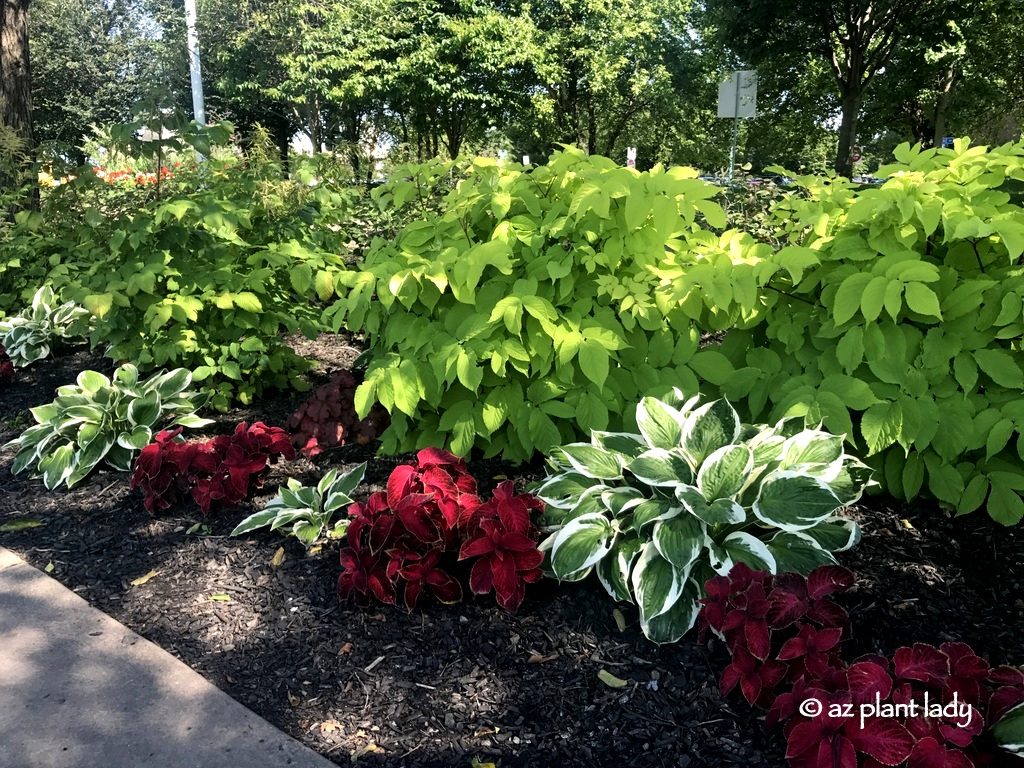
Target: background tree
(15,73)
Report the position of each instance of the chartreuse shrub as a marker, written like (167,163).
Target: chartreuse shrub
(895,315)
(537,306)
(100,419)
(658,513)
(29,335)
(208,276)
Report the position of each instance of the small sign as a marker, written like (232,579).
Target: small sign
(947,142)
(631,157)
(526,159)
(737,95)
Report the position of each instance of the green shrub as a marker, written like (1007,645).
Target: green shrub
(658,513)
(29,335)
(103,420)
(894,315)
(537,306)
(209,275)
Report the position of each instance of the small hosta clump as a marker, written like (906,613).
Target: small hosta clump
(657,513)
(28,336)
(328,418)
(222,470)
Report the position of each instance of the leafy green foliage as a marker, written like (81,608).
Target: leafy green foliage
(210,277)
(306,511)
(29,335)
(537,306)
(103,420)
(896,318)
(658,513)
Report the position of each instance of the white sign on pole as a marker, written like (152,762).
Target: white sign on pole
(631,157)
(737,95)
(526,159)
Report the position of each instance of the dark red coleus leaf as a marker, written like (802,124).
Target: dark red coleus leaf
(929,753)
(922,662)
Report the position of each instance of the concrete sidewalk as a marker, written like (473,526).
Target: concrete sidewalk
(79,690)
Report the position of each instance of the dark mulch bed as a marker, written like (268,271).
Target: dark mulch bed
(444,685)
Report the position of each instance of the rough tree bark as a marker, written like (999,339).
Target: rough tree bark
(15,79)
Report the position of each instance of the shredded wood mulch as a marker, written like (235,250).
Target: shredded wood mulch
(450,685)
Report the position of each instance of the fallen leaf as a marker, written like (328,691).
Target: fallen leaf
(907,525)
(278,558)
(143,579)
(193,529)
(49,567)
(536,658)
(315,549)
(293,699)
(478,764)
(329,726)
(346,648)
(611,680)
(220,597)
(620,620)
(19,525)
(370,748)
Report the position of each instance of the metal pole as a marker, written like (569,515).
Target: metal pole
(194,67)
(735,128)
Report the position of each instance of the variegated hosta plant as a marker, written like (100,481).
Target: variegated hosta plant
(306,511)
(29,335)
(658,513)
(104,420)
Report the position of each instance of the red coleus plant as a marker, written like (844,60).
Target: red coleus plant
(224,469)
(784,635)
(328,418)
(405,539)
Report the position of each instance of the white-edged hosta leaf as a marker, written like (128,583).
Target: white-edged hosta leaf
(89,456)
(171,383)
(135,440)
(797,553)
(657,583)
(347,482)
(579,545)
(614,569)
(629,445)
(708,428)
(717,512)
(325,482)
(811,447)
(659,423)
(307,532)
(718,557)
(743,547)
(670,626)
(92,381)
(57,465)
(191,421)
(120,458)
(563,491)
(145,411)
(680,539)
(767,447)
(661,467)
(594,462)
(1009,730)
(336,501)
(289,516)
(837,534)
(256,520)
(851,481)
(652,510)
(792,501)
(619,501)
(725,471)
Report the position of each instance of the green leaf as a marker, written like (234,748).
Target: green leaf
(19,524)
(324,285)
(670,626)
(99,304)
(652,510)
(793,501)
(708,428)
(662,468)
(593,360)
(580,545)
(56,466)
(680,539)
(614,569)
(1005,505)
(248,301)
(657,584)
(717,512)
(742,547)
(1001,367)
(144,411)
(881,425)
(922,299)
(301,278)
(797,553)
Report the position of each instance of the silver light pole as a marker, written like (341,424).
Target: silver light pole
(194,67)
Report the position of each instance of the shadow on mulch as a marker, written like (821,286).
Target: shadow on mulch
(446,684)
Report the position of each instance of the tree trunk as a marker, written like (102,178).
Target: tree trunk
(15,77)
(848,131)
(282,137)
(942,105)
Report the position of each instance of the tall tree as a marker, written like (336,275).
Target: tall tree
(857,40)
(15,74)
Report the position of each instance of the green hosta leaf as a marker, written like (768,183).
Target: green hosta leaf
(680,539)
(725,471)
(742,547)
(1009,729)
(717,512)
(657,584)
(660,467)
(172,383)
(145,411)
(593,462)
(614,569)
(56,466)
(797,553)
(811,447)
(619,501)
(580,545)
(307,532)
(835,534)
(708,428)
(256,520)
(92,382)
(660,424)
(627,444)
(670,626)
(792,501)
(136,439)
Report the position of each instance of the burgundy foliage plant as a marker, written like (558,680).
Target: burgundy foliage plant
(328,418)
(784,635)
(409,538)
(224,470)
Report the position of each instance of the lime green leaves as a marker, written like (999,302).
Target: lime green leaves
(695,492)
(102,420)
